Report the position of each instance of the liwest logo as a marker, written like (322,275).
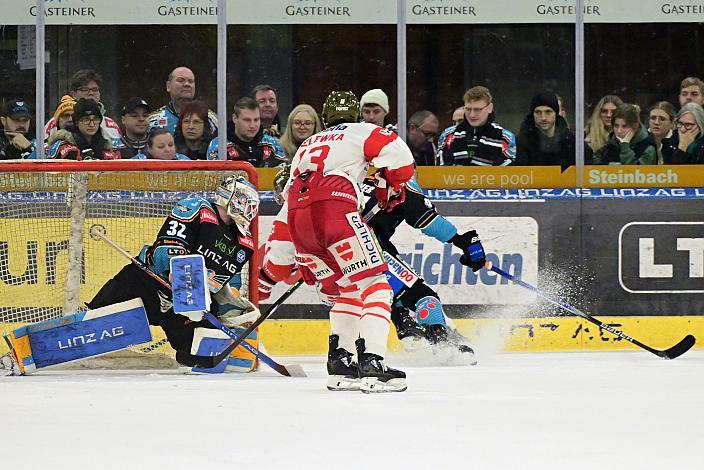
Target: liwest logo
(662,257)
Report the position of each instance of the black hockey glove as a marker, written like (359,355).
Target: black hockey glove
(472,249)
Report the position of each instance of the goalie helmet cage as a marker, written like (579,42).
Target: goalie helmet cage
(49,264)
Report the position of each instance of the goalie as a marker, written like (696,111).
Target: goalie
(218,230)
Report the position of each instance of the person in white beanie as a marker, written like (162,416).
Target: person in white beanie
(375,107)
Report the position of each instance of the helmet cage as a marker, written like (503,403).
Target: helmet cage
(241,201)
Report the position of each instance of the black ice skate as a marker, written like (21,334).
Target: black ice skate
(375,377)
(409,332)
(343,373)
(450,346)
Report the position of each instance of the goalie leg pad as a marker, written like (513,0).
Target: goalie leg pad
(209,342)
(80,336)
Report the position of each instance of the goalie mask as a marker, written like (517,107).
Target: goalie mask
(240,199)
(339,107)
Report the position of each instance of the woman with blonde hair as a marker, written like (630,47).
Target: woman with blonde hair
(302,123)
(599,125)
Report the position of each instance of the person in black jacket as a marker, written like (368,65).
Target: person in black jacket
(477,140)
(545,138)
(686,146)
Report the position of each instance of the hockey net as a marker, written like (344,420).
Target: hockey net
(49,264)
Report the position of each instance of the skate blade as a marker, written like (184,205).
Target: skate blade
(340,383)
(414,343)
(374,385)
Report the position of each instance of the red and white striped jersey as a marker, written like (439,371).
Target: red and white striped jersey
(349,149)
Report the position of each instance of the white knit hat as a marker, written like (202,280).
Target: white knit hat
(375,96)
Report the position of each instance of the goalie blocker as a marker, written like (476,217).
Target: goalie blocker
(79,336)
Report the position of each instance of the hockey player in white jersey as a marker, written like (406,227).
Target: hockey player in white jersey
(336,248)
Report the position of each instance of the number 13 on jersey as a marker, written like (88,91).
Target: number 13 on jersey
(313,159)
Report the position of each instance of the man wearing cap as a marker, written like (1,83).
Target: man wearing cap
(135,119)
(375,107)
(87,83)
(545,138)
(85,140)
(15,141)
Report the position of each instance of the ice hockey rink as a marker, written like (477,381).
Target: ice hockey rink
(590,410)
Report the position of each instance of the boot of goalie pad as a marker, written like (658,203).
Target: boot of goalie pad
(80,336)
(375,376)
(343,372)
(209,342)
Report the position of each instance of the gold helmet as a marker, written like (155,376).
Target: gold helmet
(339,107)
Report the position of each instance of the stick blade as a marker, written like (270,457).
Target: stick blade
(292,370)
(680,348)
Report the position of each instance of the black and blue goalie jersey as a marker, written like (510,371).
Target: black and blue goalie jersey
(195,227)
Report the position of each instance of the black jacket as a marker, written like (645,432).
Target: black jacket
(673,155)
(487,145)
(535,148)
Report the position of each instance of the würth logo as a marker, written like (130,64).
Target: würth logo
(345,251)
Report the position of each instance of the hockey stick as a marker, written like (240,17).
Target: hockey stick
(97,232)
(215,360)
(675,351)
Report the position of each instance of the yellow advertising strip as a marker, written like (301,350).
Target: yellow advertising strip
(310,337)
(266,178)
(530,177)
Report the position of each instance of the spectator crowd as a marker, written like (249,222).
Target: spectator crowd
(186,129)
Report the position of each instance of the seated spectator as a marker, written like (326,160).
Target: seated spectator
(661,119)
(458,115)
(691,91)
(247,140)
(192,135)
(374,106)
(563,110)
(84,140)
(598,127)
(302,123)
(544,138)
(181,87)
(88,83)
(629,143)
(135,116)
(15,140)
(477,140)
(160,145)
(686,146)
(268,102)
(422,130)
(63,116)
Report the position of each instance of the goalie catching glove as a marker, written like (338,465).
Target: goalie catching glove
(472,249)
(233,309)
(388,195)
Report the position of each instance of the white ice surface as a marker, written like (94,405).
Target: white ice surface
(567,411)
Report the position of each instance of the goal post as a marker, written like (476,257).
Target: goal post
(49,264)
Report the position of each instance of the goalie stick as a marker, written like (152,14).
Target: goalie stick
(97,232)
(675,351)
